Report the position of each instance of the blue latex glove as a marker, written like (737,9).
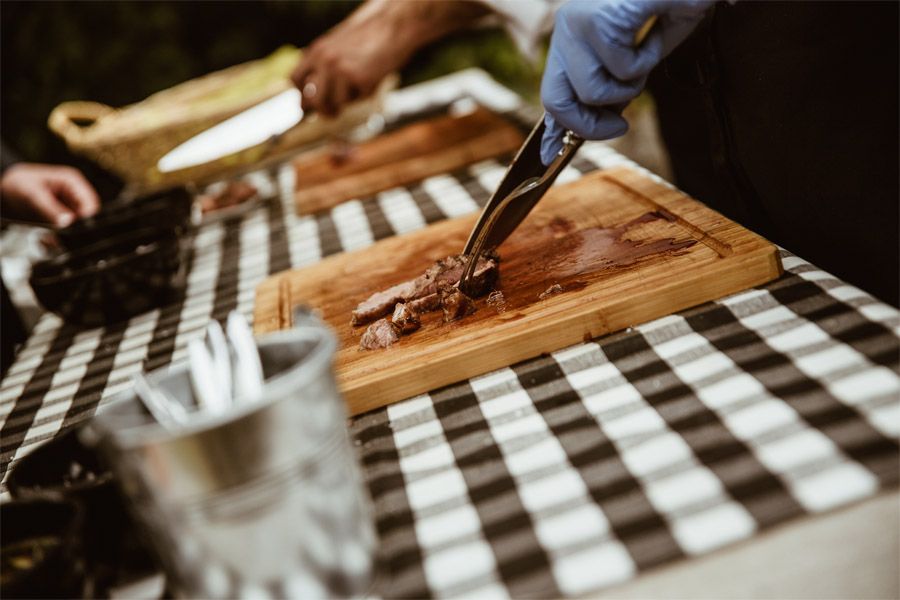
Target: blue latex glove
(593,69)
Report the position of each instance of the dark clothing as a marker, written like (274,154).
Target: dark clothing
(7,158)
(784,117)
(12,332)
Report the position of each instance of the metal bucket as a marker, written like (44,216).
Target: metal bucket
(265,500)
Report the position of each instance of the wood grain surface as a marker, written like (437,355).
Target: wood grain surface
(335,174)
(624,250)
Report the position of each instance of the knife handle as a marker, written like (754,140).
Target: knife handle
(571,142)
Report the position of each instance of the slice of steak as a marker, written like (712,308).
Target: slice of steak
(485,275)
(449,270)
(380,303)
(405,319)
(380,334)
(445,272)
(425,304)
(455,304)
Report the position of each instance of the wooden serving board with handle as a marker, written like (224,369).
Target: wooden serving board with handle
(616,248)
(335,174)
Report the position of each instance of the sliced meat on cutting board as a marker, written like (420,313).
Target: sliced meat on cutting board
(340,172)
(611,250)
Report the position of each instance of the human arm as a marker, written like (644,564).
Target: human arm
(350,60)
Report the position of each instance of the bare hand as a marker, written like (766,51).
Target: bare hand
(350,61)
(51,193)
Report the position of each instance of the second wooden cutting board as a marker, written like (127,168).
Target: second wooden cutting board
(327,177)
(613,249)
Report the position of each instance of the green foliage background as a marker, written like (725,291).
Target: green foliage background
(121,52)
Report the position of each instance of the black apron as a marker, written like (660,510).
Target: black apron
(784,117)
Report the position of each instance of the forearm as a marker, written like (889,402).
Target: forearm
(381,36)
(423,21)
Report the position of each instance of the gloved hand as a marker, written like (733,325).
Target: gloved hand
(594,69)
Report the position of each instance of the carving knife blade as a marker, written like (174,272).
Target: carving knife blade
(255,125)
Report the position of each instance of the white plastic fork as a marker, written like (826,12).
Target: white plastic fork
(221,359)
(247,370)
(166,410)
(224,369)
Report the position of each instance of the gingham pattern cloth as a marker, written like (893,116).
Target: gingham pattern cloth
(562,474)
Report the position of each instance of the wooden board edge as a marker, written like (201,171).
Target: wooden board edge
(661,195)
(267,306)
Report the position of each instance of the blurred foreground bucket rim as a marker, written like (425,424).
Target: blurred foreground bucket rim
(278,388)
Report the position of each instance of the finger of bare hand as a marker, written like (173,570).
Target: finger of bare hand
(322,99)
(301,72)
(342,94)
(308,95)
(75,191)
(41,201)
(310,92)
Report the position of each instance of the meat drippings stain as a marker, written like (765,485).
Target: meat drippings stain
(540,263)
(550,291)
(591,250)
(661,214)
(497,300)
(561,226)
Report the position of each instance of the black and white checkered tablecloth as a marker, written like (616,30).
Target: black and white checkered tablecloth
(558,475)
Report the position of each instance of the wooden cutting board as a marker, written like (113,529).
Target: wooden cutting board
(623,249)
(338,173)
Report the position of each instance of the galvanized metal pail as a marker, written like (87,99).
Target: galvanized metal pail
(265,500)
